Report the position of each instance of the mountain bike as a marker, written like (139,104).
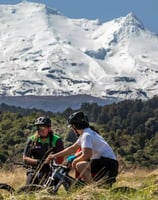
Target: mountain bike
(58,176)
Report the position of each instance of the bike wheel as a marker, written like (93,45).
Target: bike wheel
(30,188)
(6,190)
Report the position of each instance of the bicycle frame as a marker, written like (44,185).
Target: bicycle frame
(60,173)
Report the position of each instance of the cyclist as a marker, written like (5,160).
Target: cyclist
(96,157)
(38,145)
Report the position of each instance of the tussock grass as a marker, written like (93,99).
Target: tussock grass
(14,177)
(137,184)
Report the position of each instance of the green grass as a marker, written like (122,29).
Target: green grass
(136,185)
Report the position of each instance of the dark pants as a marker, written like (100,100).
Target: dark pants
(35,176)
(105,169)
(31,178)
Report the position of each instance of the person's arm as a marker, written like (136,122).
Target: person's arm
(77,154)
(26,155)
(74,156)
(30,161)
(86,150)
(68,151)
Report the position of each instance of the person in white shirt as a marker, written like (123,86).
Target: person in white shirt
(96,159)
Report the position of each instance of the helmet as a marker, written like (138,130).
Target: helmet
(79,119)
(43,120)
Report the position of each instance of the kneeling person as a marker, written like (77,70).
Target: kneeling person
(38,145)
(96,157)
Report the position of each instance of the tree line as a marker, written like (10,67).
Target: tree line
(130,126)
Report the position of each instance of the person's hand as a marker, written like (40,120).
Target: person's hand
(49,158)
(71,158)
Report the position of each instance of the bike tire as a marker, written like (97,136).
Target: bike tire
(30,188)
(4,186)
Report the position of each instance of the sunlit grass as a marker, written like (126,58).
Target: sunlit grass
(144,183)
(15,177)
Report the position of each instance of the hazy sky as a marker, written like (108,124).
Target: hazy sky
(104,10)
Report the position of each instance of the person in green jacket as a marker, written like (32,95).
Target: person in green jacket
(38,146)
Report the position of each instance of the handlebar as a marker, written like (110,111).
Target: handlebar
(53,164)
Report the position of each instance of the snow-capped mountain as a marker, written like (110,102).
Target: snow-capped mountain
(44,53)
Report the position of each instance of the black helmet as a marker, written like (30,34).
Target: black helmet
(79,119)
(43,120)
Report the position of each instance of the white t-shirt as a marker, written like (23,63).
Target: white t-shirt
(91,139)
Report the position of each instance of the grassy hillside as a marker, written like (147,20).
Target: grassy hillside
(144,183)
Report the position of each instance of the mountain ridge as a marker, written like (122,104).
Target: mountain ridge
(45,53)
(53,103)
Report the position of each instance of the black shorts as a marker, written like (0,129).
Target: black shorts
(104,167)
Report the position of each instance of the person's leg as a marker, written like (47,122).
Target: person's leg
(105,168)
(29,178)
(98,169)
(83,168)
(30,175)
(32,178)
(113,171)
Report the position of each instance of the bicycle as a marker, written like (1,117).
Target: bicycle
(58,176)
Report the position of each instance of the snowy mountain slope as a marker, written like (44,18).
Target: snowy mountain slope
(44,53)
